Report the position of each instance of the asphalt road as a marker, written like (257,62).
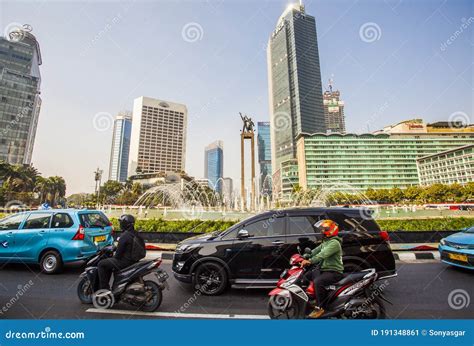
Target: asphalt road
(421,290)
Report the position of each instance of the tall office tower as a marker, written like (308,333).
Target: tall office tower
(294,82)
(120,147)
(334,111)
(264,158)
(214,165)
(20,101)
(227,191)
(158,141)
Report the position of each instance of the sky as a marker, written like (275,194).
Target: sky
(392,60)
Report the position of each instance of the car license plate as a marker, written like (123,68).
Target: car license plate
(458,257)
(100,238)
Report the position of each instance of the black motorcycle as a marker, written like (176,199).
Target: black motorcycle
(129,285)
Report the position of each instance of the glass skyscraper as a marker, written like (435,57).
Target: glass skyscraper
(295,91)
(214,165)
(264,158)
(119,153)
(20,103)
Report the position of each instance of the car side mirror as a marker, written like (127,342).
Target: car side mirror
(243,234)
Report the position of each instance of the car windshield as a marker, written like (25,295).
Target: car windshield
(470,230)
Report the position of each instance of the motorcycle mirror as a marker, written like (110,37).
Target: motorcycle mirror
(299,249)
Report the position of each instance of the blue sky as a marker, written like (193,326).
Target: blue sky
(99,56)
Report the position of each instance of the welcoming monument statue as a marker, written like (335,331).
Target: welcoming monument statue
(247,132)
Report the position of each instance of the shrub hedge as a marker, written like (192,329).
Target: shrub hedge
(200,226)
(205,226)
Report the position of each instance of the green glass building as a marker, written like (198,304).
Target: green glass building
(20,101)
(358,162)
(295,90)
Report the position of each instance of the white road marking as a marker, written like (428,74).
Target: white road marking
(177,314)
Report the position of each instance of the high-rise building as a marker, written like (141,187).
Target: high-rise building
(264,158)
(214,165)
(381,160)
(118,167)
(334,111)
(158,140)
(20,102)
(227,191)
(295,91)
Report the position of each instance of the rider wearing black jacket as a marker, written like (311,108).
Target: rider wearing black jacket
(123,254)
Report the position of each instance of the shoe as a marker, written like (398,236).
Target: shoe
(317,313)
(102,293)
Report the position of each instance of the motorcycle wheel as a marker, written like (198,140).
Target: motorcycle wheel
(156,298)
(292,312)
(84,291)
(379,310)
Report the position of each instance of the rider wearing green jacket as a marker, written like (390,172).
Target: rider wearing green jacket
(329,256)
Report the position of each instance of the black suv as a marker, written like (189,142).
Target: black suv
(255,251)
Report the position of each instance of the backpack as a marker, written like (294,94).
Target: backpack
(138,248)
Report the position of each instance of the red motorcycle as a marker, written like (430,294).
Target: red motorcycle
(355,296)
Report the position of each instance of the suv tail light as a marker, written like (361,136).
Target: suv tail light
(79,234)
(111,225)
(384,235)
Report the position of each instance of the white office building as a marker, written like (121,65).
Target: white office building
(158,140)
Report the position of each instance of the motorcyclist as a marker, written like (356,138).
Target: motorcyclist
(123,254)
(329,255)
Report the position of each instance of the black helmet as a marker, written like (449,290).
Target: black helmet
(127,222)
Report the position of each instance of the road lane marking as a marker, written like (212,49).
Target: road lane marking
(178,314)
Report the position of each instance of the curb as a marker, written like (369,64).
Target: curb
(408,256)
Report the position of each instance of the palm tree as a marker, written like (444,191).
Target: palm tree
(58,189)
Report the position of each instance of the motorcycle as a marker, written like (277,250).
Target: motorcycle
(354,296)
(128,285)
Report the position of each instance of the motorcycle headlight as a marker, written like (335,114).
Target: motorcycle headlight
(186,247)
(442,242)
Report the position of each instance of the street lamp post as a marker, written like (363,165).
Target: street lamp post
(98,178)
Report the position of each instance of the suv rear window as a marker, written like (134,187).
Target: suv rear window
(91,220)
(62,220)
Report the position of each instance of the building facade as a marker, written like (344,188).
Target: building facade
(294,82)
(359,162)
(20,102)
(334,111)
(158,139)
(214,165)
(118,167)
(228,191)
(264,158)
(447,167)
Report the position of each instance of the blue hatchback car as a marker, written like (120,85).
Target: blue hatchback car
(53,237)
(458,249)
